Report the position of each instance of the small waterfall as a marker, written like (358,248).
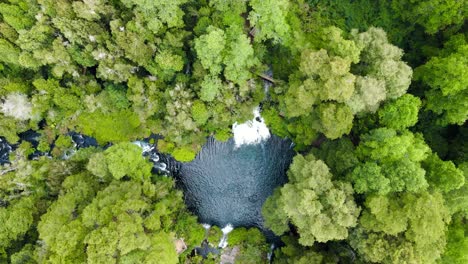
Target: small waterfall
(69,153)
(145,146)
(292,145)
(226,230)
(270,253)
(251,132)
(149,150)
(162,164)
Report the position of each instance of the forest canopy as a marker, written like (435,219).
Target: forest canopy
(373,95)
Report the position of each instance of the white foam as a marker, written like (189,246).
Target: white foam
(251,132)
(226,230)
(145,146)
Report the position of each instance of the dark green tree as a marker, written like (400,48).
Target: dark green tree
(445,78)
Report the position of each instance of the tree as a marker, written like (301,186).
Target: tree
(19,14)
(59,228)
(386,145)
(330,72)
(111,127)
(335,119)
(209,49)
(400,113)
(369,93)
(320,208)
(390,162)
(443,175)
(9,53)
(146,97)
(338,77)
(200,113)
(276,220)
(457,199)
(402,229)
(251,244)
(26,255)
(433,15)
(17,106)
(239,59)
(445,78)
(17,219)
(381,60)
(270,20)
(368,177)
(457,242)
(293,252)
(339,155)
(123,159)
(211,87)
(123,222)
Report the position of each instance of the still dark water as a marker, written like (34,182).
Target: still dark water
(228,185)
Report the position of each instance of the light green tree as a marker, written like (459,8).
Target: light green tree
(122,159)
(270,20)
(335,119)
(210,49)
(394,229)
(16,220)
(390,162)
(457,199)
(124,222)
(400,113)
(338,76)
(320,208)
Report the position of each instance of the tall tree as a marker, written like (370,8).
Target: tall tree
(320,208)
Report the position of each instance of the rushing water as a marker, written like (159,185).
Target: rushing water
(226,184)
(5,150)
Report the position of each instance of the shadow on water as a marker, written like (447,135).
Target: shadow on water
(228,185)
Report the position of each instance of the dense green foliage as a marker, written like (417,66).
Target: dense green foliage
(338,78)
(373,93)
(320,208)
(79,217)
(446,77)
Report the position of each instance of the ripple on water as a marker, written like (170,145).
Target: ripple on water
(226,184)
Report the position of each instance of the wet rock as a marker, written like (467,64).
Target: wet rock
(229,255)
